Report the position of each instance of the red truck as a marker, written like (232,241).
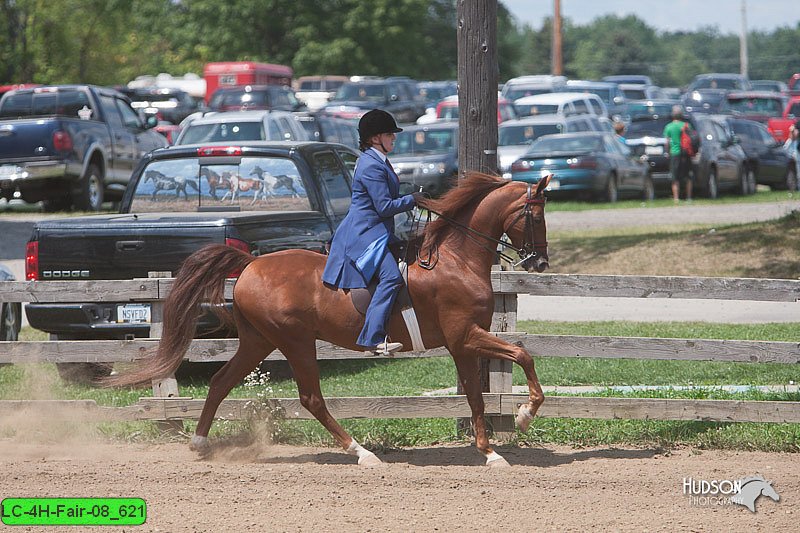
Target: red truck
(794,84)
(779,126)
(236,73)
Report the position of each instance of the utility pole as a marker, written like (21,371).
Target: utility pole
(743,41)
(477,86)
(557,64)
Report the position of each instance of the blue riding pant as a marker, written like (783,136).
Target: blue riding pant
(380,307)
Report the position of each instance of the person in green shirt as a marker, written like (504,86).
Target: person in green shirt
(679,162)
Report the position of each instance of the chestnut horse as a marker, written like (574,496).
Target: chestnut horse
(279,301)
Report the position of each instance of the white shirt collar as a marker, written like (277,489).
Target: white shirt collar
(380,154)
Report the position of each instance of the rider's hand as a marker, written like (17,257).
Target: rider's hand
(418,196)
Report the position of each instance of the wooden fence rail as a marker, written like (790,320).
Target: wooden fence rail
(501,403)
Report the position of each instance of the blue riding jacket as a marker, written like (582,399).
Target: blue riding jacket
(362,238)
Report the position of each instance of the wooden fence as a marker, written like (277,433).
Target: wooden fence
(501,403)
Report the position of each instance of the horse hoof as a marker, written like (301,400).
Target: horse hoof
(199,444)
(497,462)
(369,459)
(523,418)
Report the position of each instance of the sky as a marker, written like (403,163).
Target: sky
(666,15)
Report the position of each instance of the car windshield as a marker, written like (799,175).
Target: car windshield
(536,109)
(236,97)
(643,108)
(772,107)
(225,131)
(515,94)
(418,142)
(362,92)
(634,94)
(517,135)
(604,94)
(572,145)
(67,103)
(184,185)
(651,128)
(717,83)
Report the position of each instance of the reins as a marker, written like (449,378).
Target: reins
(530,248)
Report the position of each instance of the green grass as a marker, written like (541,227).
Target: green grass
(414,376)
(761,196)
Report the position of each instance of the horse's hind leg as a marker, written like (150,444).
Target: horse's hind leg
(302,357)
(253,348)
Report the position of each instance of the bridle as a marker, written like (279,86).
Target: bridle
(529,249)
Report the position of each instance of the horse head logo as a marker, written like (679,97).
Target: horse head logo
(752,488)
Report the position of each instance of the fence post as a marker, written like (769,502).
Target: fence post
(504,318)
(166,387)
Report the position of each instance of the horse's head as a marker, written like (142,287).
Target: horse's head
(257,171)
(524,224)
(149,175)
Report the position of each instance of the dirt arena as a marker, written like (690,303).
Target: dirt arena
(282,488)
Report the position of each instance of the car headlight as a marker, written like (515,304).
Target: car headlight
(432,168)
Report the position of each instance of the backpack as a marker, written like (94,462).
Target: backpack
(690,140)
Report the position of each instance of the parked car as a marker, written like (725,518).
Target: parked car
(433,92)
(427,156)
(170,105)
(779,126)
(355,98)
(587,165)
(316,91)
(773,86)
(447,109)
(10,312)
(629,78)
(644,135)
(640,91)
(609,93)
(516,136)
(521,86)
(767,162)
(560,104)
(255,97)
(649,108)
(723,81)
(754,105)
(259,197)
(321,127)
(235,126)
(706,101)
(719,164)
(70,145)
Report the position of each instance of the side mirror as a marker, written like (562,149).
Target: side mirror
(151,122)
(618,100)
(735,139)
(393,98)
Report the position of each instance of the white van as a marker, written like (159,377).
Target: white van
(566,104)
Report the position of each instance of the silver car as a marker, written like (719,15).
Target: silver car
(237,126)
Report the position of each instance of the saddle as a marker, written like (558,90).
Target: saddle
(361,297)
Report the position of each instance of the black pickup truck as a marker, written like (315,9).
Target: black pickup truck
(257,196)
(70,145)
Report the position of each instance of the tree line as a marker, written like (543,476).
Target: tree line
(110,42)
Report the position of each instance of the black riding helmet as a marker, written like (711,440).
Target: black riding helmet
(376,122)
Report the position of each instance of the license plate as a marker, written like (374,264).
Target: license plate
(133,314)
(654,150)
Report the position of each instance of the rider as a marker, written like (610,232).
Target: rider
(359,251)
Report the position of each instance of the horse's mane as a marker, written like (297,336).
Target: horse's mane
(465,195)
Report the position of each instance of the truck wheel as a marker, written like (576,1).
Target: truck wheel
(10,321)
(611,194)
(81,373)
(88,194)
(791,182)
(711,185)
(649,192)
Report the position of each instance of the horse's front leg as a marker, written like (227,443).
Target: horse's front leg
(470,379)
(481,343)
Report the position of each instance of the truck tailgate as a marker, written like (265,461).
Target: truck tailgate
(120,246)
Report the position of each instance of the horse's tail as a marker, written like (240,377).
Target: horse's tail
(200,279)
